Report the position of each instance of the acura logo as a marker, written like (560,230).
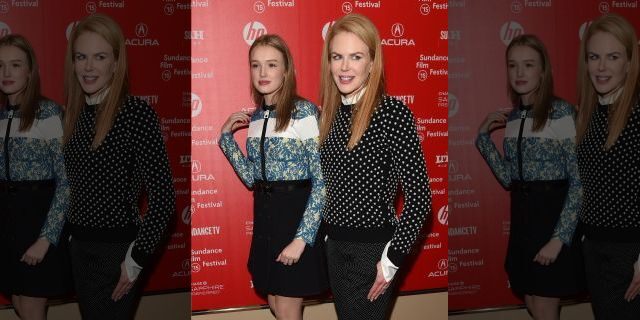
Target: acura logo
(443,264)
(397,30)
(142,30)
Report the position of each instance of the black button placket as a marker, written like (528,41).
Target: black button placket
(6,145)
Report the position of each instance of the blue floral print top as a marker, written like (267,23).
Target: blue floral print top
(548,154)
(292,154)
(36,154)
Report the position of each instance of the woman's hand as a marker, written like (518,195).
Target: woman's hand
(124,284)
(292,252)
(634,286)
(494,120)
(236,121)
(379,286)
(548,254)
(36,252)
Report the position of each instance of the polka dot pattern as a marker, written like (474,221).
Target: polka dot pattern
(362,184)
(611,178)
(106,183)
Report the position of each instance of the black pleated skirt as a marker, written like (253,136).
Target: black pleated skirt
(23,212)
(277,215)
(535,210)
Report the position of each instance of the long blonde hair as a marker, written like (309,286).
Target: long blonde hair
(286,97)
(108,29)
(31,95)
(620,111)
(364,29)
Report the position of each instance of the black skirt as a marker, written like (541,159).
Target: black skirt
(23,211)
(535,210)
(278,210)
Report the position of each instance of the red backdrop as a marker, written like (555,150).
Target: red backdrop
(478,34)
(159,57)
(415,48)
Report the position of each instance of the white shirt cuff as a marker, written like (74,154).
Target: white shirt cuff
(133,269)
(388,268)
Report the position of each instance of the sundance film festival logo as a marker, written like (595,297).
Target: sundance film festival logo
(4,7)
(169,9)
(603,7)
(4,29)
(252,31)
(516,6)
(510,30)
(90,7)
(196,105)
(259,7)
(443,215)
(423,75)
(442,160)
(397,31)
(425,9)
(325,29)
(347,7)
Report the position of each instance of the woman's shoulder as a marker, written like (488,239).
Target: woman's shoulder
(47,109)
(561,108)
(392,106)
(304,108)
(138,107)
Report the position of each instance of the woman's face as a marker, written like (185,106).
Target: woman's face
(267,71)
(607,62)
(350,62)
(94,62)
(525,71)
(14,72)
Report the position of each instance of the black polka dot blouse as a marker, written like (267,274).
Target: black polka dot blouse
(611,180)
(362,184)
(107,183)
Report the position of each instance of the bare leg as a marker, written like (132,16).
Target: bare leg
(288,308)
(31,308)
(546,308)
(272,304)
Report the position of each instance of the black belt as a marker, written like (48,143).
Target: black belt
(28,185)
(280,186)
(538,185)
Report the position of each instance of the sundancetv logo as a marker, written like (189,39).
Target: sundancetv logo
(252,31)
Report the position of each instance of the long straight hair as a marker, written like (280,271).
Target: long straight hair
(620,111)
(31,96)
(366,31)
(108,29)
(286,96)
(543,96)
